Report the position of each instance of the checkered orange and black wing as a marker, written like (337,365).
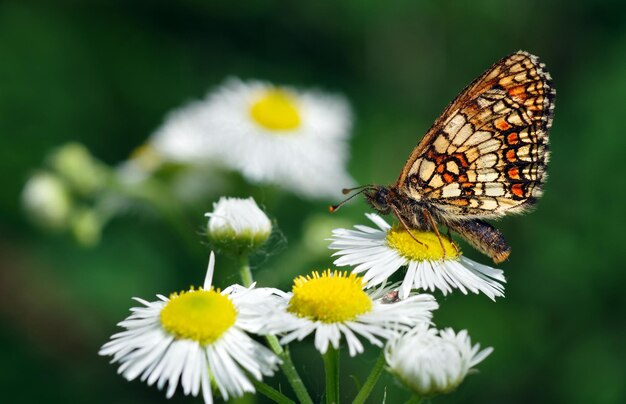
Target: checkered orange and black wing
(486,155)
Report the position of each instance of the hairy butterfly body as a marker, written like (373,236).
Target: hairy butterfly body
(483,158)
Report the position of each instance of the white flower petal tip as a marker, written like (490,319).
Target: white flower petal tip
(371,253)
(277,135)
(238,225)
(431,362)
(163,342)
(333,306)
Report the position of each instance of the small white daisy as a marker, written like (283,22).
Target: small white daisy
(334,304)
(196,338)
(238,224)
(432,362)
(277,135)
(383,251)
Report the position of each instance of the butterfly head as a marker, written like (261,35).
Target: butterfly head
(379,197)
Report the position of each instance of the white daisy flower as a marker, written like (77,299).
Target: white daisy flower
(238,224)
(432,362)
(334,304)
(196,338)
(277,135)
(383,251)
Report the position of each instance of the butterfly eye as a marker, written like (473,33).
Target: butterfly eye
(381,197)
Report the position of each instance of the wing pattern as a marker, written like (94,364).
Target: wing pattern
(486,155)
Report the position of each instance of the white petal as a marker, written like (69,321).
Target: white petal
(209,272)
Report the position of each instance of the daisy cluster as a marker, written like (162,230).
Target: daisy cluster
(227,342)
(224,343)
(280,137)
(203,339)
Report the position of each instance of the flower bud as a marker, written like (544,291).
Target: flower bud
(430,361)
(47,201)
(77,166)
(86,228)
(238,225)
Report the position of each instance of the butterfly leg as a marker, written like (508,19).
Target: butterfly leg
(429,218)
(406,227)
(449,235)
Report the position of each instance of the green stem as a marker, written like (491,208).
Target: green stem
(415,399)
(331,367)
(271,393)
(272,341)
(371,380)
(289,370)
(244,270)
(287,366)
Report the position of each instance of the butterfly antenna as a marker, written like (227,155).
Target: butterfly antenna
(346,191)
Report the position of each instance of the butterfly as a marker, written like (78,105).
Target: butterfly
(483,158)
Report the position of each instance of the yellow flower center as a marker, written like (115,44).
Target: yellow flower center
(430,249)
(198,315)
(276,110)
(332,297)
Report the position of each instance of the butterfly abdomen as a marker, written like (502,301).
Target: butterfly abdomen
(484,237)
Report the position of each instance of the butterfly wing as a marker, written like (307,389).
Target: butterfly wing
(486,155)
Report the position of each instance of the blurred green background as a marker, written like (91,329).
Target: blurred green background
(105,74)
